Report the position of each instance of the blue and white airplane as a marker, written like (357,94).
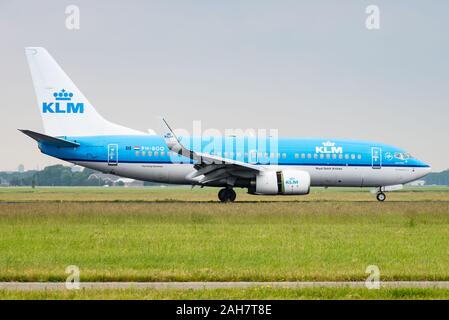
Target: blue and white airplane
(76,133)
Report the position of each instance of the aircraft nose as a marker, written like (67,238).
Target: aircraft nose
(427,168)
(423,171)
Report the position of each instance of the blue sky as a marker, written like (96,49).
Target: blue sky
(307,68)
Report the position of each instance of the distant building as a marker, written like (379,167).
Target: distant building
(108,178)
(3,183)
(128,182)
(21,168)
(417,183)
(116,181)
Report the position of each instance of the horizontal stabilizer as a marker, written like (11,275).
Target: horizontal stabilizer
(52,141)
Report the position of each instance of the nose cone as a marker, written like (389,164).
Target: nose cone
(426,166)
(423,170)
(427,170)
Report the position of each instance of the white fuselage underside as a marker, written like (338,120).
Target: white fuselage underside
(344,176)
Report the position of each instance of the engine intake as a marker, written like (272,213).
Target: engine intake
(292,182)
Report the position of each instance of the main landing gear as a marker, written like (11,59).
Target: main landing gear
(227,195)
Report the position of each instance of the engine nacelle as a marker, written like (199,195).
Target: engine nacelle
(283,182)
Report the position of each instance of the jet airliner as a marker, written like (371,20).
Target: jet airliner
(75,132)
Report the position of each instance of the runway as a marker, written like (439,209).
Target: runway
(28,286)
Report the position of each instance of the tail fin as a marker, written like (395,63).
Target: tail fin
(64,109)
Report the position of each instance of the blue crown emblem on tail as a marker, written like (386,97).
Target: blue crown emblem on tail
(63,107)
(63,95)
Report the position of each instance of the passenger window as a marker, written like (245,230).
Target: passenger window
(328,156)
(321,156)
(315,156)
(334,156)
(296,156)
(143,154)
(284,155)
(346,156)
(137,153)
(359,156)
(162,153)
(303,155)
(352,156)
(309,156)
(156,153)
(340,156)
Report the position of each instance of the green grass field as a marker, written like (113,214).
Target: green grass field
(178,234)
(238,294)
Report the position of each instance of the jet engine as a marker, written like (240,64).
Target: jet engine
(288,182)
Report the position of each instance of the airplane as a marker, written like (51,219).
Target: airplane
(75,132)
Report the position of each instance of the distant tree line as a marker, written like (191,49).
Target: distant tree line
(57,175)
(437,178)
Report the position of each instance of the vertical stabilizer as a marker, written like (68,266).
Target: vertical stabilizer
(64,109)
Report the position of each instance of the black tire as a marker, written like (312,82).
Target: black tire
(227,195)
(231,195)
(222,195)
(381,196)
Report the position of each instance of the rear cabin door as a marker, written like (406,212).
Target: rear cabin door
(376,156)
(112,154)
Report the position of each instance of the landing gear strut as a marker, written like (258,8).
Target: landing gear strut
(381,196)
(227,195)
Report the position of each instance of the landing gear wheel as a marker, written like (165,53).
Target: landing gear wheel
(227,195)
(381,196)
(221,195)
(232,195)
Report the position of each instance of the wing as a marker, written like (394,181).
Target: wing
(211,168)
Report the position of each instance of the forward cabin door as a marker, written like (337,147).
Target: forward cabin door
(112,154)
(376,156)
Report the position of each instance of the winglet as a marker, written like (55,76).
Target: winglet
(173,142)
(170,138)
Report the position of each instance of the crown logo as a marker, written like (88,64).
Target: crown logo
(328,144)
(63,95)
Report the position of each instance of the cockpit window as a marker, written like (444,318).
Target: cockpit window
(402,156)
(398,155)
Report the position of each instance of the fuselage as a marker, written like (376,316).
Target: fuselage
(330,162)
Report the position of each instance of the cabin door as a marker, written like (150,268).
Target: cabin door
(112,154)
(376,156)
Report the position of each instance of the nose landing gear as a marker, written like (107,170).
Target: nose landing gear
(380,196)
(227,195)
